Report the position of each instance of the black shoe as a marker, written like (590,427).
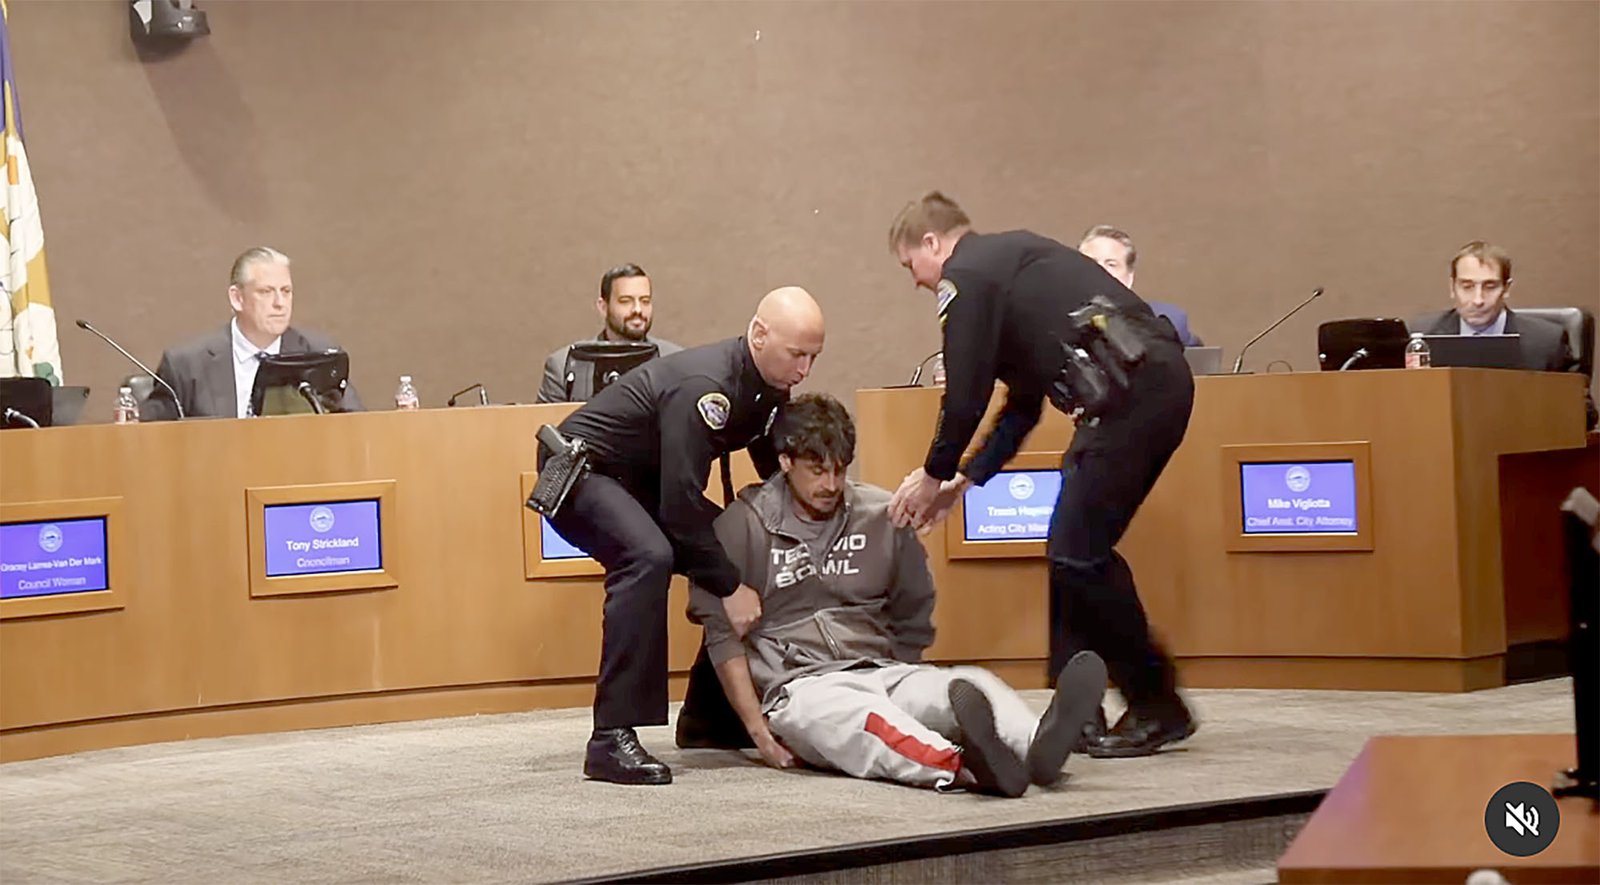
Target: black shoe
(1142,734)
(994,768)
(615,755)
(1079,690)
(694,733)
(1093,730)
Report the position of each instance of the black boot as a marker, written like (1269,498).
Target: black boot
(1068,719)
(707,720)
(992,765)
(1093,730)
(1143,732)
(615,755)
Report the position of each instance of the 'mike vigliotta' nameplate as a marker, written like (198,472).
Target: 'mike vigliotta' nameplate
(1313,497)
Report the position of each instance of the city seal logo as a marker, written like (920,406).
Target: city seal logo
(1020,487)
(50,539)
(714,410)
(1297,478)
(322,519)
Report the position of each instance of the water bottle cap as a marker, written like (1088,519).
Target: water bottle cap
(125,390)
(405,379)
(1416,334)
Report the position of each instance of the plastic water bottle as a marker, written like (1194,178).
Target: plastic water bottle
(127,408)
(938,370)
(1417,354)
(405,398)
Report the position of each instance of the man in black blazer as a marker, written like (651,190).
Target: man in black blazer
(213,374)
(1480,283)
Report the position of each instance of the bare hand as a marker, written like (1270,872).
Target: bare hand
(911,501)
(773,752)
(743,609)
(949,493)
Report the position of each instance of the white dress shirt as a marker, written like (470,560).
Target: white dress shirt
(246,359)
(1498,327)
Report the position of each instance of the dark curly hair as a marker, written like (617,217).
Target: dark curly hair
(816,426)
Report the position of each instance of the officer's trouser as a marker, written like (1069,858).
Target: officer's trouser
(615,525)
(1106,474)
(892,723)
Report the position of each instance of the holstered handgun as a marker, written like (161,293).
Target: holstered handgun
(1096,374)
(568,462)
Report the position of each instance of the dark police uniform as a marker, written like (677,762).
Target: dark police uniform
(642,512)
(1003,304)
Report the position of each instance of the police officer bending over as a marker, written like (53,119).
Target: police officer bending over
(1009,304)
(643,515)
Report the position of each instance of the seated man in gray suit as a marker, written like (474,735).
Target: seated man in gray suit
(1113,250)
(213,374)
(626,306)
(1480,283)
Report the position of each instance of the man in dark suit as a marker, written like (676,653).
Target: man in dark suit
(628,309)
(214,373)
(1112,248)
(1480,283)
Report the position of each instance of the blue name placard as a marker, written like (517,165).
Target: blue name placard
(554,547)
(1014,505)
(1311,498)
(52,558)
(320,539)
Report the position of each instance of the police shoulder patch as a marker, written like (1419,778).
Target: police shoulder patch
(714,410)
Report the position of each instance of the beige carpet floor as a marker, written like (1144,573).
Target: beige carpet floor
(501,799)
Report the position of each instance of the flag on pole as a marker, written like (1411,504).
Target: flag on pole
(28,343)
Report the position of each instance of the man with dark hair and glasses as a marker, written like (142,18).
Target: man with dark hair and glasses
(627,307)
(832,672)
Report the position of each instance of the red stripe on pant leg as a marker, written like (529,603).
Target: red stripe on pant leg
(910,747)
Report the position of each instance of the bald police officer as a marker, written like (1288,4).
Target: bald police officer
(643,515)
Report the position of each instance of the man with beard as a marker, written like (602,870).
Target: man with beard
(626,306)
(833,673)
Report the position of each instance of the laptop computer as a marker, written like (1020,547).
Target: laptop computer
(1204,360)
(1475,351)
(68,404)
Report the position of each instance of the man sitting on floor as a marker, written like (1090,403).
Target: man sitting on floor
(831,673)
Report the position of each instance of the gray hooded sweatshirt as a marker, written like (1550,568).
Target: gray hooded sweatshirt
(869,603)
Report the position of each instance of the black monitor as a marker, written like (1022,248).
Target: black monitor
(609,360)
(1362,344)
(297,383)
(26,399)
(1475,351)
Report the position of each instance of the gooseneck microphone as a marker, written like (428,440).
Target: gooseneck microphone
(916,377)
(310,396)
(1238,364)
(483,394)
(1358,356)
(14,415)
(135,360)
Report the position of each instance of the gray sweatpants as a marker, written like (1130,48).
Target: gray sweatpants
(893,723)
